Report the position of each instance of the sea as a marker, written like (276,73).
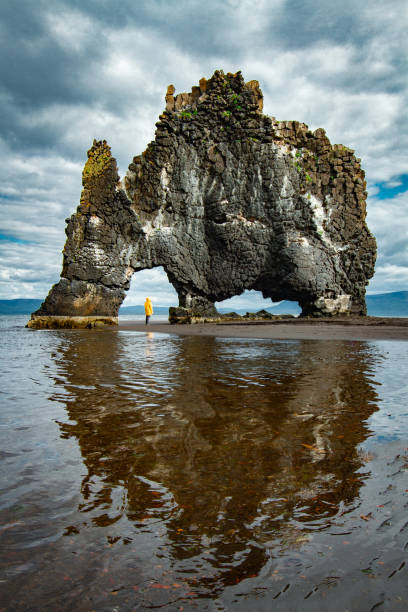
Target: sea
(145,471)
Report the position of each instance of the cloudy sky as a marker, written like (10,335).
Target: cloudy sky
(76,70)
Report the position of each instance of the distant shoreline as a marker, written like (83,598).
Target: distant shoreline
(391,304)
(366,328)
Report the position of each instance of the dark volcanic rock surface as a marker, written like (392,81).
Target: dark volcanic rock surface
(225,199)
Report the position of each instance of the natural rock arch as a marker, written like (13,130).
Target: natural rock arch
(225,199)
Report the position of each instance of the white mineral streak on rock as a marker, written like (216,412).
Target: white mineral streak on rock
(94,220)
(166,229)
(157,224)
(259,177)
(148,228)
(164,179)
(282,151)
(193,187)
(338,305)
(98,254)
(320,216)
(126,254)
(129,272)
(319,213)
(287,187)
(153,225)
(296,237)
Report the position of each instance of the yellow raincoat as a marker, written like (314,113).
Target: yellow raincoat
(148,307)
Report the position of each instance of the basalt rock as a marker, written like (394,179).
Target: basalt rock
(225,199)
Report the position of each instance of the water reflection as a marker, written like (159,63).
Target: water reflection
(228,452)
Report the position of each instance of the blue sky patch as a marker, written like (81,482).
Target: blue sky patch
(7,238)
(387,192)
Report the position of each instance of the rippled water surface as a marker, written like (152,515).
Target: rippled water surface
(143,471)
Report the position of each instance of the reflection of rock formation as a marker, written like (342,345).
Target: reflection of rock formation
(225,199)
(232,444)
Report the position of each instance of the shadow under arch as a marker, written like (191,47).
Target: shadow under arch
(237,448)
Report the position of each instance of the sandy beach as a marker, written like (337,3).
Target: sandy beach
(369,328)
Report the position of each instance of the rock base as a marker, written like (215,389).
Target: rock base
(179,315)
(185,316)
(70,322)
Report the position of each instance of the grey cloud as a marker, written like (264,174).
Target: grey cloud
(387,219)
(194,24)
(302,23)
(27,271)
(32,64)
(305,21)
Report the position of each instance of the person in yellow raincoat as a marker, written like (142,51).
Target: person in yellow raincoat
(148,309)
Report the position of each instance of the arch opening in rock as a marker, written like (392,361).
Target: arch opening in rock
(225,199)
(152,283)
(252,302)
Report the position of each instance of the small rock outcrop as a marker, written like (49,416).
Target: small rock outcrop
(225,199)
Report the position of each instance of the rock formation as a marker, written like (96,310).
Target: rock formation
(225,199)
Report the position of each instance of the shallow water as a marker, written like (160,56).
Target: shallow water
(148,471)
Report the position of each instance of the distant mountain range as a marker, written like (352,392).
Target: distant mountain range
(393,304)
(26,307)
(17,307)
(388,304)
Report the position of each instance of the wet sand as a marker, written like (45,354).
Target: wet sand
(200,474)
(369,328)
